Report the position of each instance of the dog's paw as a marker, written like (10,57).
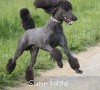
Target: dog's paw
(29,76)
(10,66)
(75,65)
(60,64)
(79,71)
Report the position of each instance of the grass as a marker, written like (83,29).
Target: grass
(83,33)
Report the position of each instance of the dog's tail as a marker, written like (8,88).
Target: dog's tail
(27,20)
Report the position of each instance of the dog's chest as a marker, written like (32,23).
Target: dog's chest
(55,38)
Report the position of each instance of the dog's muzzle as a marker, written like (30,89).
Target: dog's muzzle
(68,21)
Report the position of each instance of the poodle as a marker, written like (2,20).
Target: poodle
(47,37)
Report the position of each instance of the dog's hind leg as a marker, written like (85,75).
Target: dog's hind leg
(55,54)
(29,70)
(12,62)
(72,60)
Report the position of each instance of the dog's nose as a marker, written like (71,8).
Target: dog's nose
(75,18)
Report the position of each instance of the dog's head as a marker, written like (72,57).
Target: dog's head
(60,9)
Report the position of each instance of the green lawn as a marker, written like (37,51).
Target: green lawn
(83,33)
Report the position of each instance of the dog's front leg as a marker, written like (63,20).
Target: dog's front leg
(72,60)
(55,54)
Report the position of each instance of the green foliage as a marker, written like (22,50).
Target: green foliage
(84,32)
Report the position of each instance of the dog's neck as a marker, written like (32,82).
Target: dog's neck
(55,20)
(54,25)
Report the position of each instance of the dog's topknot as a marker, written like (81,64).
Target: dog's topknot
(24,12)
(46,3)
(50,6)
(66,5)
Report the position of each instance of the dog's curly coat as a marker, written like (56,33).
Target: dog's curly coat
(48,37)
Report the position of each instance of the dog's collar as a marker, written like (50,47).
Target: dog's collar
(55,20)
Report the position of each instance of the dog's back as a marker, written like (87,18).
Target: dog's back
(27,20)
